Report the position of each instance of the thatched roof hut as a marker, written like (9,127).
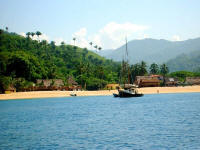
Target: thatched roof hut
(171,81)
(192,80)
(71,81)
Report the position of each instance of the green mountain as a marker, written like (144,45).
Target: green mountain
(187,62)
(152,50)
(27,59)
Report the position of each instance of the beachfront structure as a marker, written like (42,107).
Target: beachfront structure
(57,84)
(49,84)
(112,86)
(148,81)
(171,81)
(71,82)
(192,80)
(9,90)
(73,85)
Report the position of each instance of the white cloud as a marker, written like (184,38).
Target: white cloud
(176,38)
(112,35)
(81,39)
(81,33)
(22,34)
(43,37)
(59,40)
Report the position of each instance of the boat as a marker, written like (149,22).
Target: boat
(73,94)
(126,89)
(130,91)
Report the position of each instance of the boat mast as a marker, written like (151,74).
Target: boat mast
(128,69)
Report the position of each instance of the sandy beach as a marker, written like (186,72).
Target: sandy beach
(45,94)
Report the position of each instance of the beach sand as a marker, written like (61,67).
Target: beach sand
(46,94)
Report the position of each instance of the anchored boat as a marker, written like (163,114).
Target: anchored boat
(127,90)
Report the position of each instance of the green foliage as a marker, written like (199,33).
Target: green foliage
(181,75)
(154,69)
(21,84)
(31,59)
(5,82)
(187,62)
(164,69)
(138,69)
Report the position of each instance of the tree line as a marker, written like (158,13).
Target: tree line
(24,60)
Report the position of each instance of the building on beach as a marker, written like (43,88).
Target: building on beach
(171,81)
(148,81)
(9,90)
(57,84)
(112,86)
(192,80)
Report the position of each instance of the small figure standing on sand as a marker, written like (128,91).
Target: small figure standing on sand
(157,91)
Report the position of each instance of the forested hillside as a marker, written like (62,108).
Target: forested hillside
(26,59)
(187,62)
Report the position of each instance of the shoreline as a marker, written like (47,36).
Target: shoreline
(51,94)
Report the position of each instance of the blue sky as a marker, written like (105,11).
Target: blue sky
(104,22)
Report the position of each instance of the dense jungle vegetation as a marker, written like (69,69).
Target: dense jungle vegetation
(26,59)
(23,61)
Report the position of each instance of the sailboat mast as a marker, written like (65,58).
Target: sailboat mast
(127,62)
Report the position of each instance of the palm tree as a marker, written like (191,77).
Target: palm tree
(74,39)
(53,44)
(32,34)
(99,48)
(7,29)
(164,70)
(38,33)
(28,34)
(62,44)
(143,69)
(91,45)
(96,47)
(154,69)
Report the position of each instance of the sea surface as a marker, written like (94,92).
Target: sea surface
(152,122)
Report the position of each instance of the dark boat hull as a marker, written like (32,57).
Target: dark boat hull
(127,94)
(115,95)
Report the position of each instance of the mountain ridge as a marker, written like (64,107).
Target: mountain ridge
(153,50)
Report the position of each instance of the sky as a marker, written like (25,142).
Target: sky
(106,23)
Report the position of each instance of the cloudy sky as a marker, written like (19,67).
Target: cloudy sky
(104,22)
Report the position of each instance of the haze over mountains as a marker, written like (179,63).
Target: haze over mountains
(188,62)
(152,50)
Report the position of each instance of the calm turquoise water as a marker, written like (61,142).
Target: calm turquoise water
(162,121)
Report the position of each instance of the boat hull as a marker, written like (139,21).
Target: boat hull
(127,94)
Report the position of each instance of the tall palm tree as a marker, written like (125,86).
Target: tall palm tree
(99,48)
(28,34)
(38,33)
(62,44)
(74,39)
(154,69)
(32,34)
(91,45)
(164,70)
(96,47)
(143,69)
(7,29)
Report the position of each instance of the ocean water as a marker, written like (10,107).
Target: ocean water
(152,122)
